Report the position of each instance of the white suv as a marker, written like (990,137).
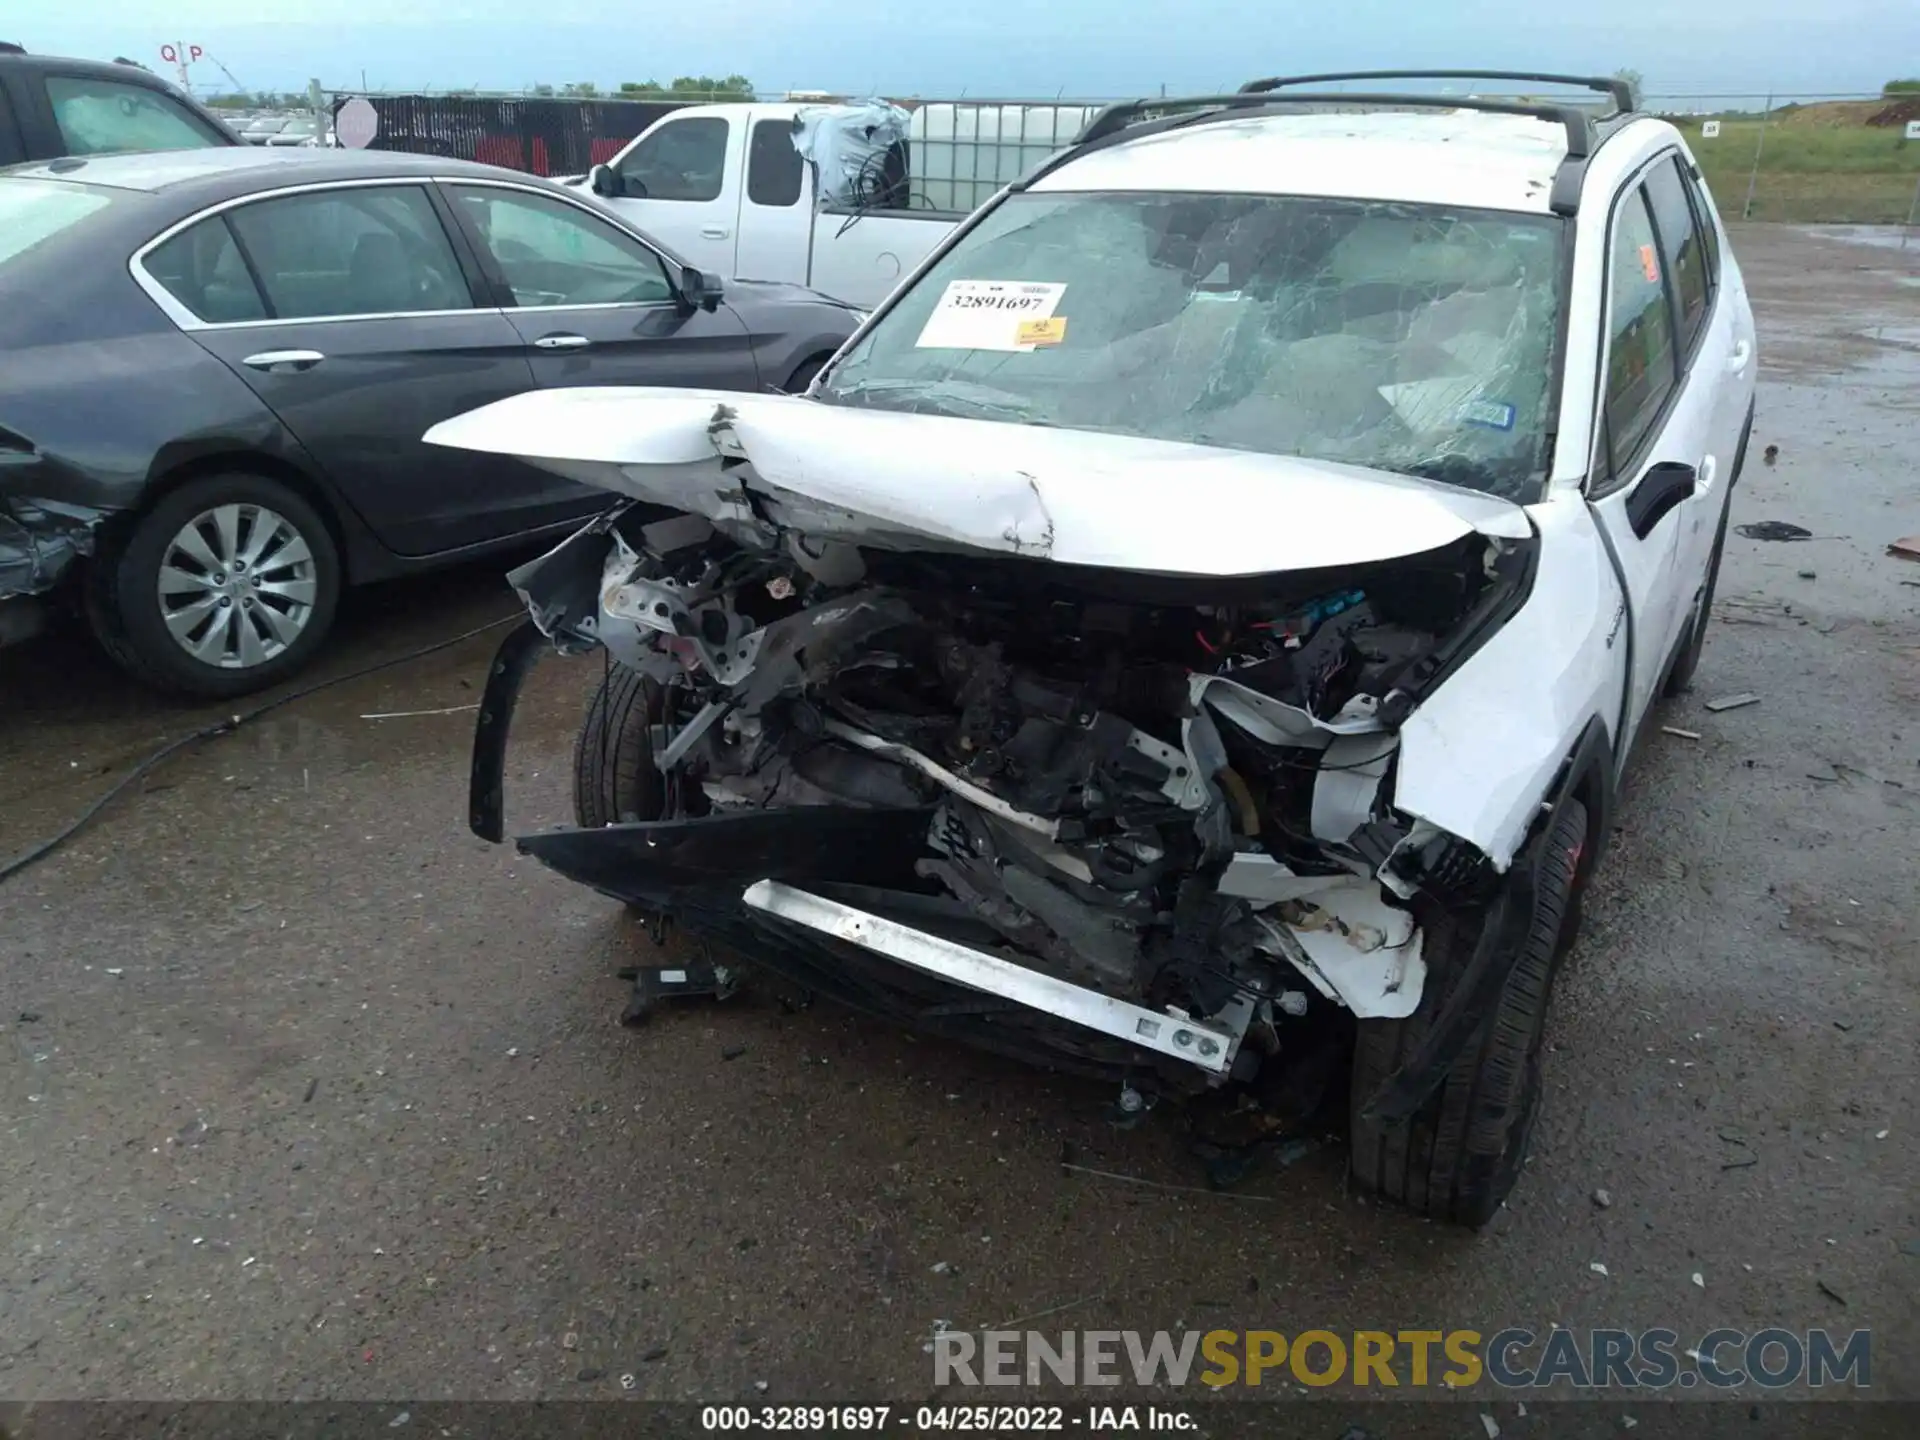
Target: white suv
(1193,632)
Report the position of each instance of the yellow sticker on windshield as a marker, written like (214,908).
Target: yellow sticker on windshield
(1050,331)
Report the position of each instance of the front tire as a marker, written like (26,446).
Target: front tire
(614,779)
(1458,1157)
(227,585)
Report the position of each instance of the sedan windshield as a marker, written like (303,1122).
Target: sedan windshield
(1407,338)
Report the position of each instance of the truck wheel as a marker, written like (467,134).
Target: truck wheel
(227,585)
(1458,1157)
(614,779)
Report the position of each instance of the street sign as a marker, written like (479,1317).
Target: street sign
(356,123)
(1709,129)
(181,54)
(1913,129)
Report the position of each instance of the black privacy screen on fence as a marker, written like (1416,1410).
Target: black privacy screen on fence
(544,137)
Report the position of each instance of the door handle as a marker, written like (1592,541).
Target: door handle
(714,232)
(1742,353)
(562,342)
(284,362)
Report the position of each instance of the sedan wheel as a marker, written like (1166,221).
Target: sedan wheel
(225,585)
(237,586)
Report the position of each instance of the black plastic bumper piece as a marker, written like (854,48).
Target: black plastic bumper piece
(512,662)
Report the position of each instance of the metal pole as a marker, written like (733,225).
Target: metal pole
(1753,176)
(1907,229)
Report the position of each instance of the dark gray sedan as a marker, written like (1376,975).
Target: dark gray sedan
(216,367)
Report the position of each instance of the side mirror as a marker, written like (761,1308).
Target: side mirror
(1660,490)
(701,288)
(604,180)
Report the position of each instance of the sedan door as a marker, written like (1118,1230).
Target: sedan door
(595,304)
(1655,453)
(347,311)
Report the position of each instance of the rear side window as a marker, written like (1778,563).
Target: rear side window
(34,211)
(1680,249)
(98,116)
(1709,234)
(774,167)
(202,269)
(1640,354)
(362,251)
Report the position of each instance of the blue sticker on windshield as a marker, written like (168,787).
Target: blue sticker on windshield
(1490,414)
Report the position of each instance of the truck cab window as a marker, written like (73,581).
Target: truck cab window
(774,168)
(680,160)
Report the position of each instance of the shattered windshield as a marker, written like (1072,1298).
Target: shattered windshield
(1408,338)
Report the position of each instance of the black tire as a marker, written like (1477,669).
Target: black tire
(614,779)
(125,608)
(1457,1159)
(802,377)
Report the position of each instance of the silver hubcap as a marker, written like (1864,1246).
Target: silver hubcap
(237,586)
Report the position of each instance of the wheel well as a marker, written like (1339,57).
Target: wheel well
(816,360)
(269,467)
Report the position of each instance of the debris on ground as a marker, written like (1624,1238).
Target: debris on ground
(658,1352)
(942,1267)
(1831,1293)
(411,714)
(29,1017)
(1699,1279)
(1774,530)
(313,1086)
(627,1382)
(1596,1267)
(590,1374)
(733,1052)
(1676,730)
(1733,702)
(1770,454)
(1907,548)
(1490,1425)
(1602,1199)
(1809,575)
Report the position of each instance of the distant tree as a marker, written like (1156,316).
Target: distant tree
(1901,87)
(234,101)
(1634,87)
(705,87)
(541,90)
(585,89)
(641,87)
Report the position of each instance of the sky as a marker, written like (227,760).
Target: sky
(1005,48)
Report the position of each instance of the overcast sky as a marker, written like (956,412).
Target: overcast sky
(997,47)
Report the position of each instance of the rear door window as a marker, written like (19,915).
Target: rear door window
(370,250)
(1680,249)
(96,117)
(202,269)
(774,168)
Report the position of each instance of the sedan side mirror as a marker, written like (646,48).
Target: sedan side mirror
(701,288)
(604,180)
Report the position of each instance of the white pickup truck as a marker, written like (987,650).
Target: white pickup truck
(725,186)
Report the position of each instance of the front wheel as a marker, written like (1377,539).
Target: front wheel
(1459,1155)
(225,586)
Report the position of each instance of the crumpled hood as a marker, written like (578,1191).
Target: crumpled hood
(922,482)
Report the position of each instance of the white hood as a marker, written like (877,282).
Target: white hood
(905,482)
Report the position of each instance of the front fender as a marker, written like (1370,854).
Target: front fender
(1482,752)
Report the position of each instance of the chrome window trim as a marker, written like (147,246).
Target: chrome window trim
(186,320)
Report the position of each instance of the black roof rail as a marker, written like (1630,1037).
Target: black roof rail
(1619,90)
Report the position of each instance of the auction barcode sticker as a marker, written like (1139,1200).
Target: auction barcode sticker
(988,314)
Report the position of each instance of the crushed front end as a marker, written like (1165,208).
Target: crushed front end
(1118,822)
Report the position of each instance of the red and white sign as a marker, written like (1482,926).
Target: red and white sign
(356,122)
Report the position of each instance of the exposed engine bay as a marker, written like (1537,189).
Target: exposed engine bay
(1154,806)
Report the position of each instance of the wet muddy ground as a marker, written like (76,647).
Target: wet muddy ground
(306,1091)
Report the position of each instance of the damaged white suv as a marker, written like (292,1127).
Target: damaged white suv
(1193,633)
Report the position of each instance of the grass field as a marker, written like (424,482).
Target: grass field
(1818,163)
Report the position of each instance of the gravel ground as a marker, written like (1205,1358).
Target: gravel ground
(304,1091)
